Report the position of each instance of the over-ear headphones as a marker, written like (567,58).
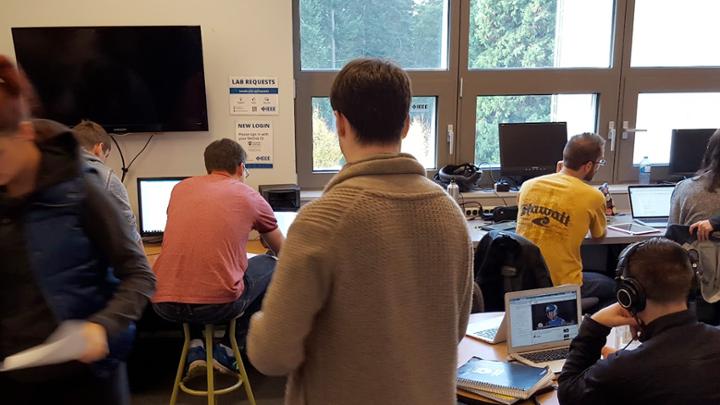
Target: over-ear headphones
(629,293)
(466,175)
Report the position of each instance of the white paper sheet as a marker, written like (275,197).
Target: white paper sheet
(65,344)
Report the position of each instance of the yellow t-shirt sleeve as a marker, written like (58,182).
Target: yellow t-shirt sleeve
(598,222)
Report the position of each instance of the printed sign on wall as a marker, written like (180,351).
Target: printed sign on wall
(256,137)
(253,95)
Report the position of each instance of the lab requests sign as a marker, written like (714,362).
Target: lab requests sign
(256,137)
(253,95)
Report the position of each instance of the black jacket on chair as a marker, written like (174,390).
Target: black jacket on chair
(504,262)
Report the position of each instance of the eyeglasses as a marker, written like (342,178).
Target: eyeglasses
(247,172)
(601,162)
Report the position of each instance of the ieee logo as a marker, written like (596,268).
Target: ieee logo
(268,109)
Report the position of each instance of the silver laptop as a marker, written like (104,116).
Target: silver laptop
(489,330)
(650,205)
(541,324)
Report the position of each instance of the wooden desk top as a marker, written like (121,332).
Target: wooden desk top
(470,347)
(152,251)
(284,219)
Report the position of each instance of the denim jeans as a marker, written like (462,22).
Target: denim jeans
(257,278)
(600,286)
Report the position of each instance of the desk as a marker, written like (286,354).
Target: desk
(613,237)
(470,347)
(284,220)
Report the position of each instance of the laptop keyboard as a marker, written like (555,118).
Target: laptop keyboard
(547,355)
(488,334)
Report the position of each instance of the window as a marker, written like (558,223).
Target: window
(540,34)
(411,32)
(672,33)
(537,61)
(614,67)
(419,142)
(578,110)
(416,34)
(659,113)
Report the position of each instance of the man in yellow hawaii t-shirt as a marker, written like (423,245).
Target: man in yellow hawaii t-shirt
(557,210)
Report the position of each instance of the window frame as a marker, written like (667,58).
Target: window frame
(457,88)
(441,84)
(540,81)
(637,80)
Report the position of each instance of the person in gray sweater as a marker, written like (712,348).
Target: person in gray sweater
(698,198)
(96,146)
(372,290)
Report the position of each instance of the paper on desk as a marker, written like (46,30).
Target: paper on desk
(65,344)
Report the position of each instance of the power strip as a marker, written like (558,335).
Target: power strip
(473,212)
(487,210)
(478,212)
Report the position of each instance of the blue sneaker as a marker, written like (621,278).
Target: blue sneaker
(196,360)
(224,359)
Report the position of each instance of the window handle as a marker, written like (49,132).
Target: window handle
(611,135)
(627,131)
(451,138)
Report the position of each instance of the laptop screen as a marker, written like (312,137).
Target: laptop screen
(545,318)
(650,202)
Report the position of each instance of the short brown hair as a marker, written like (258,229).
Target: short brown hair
(224,155)
(582,148)
(374,95)
(89,133)
(663,269)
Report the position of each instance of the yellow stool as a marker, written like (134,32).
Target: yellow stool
(211,391)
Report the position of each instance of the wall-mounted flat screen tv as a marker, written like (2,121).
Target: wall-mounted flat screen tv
(128,79)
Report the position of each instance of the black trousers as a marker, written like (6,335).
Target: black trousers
(72,383)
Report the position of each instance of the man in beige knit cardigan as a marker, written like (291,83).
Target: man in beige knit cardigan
(372,290)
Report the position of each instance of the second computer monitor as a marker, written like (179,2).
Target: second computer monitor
(153,198)
(687,147)
(529,150)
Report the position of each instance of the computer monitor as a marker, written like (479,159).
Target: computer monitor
(532,149)
(153,199)
(687,147)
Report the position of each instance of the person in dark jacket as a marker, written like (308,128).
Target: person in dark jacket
(678,358)
(66,255)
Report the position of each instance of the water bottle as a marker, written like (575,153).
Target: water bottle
(644,177)
(453,190)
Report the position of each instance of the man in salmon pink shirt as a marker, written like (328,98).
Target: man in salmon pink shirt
(203,273)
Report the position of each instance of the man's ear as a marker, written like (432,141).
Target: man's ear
(406,127)
(341,124)
(97,150)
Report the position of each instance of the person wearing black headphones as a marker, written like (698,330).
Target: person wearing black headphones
(678,358)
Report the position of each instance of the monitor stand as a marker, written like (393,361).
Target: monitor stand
(152,239)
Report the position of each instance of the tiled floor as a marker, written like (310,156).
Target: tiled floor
(152,368)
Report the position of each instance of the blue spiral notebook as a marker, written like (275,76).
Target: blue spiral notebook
(511,379)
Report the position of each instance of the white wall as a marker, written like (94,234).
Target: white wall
(240,37)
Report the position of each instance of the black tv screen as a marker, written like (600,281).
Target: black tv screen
(531,149)
(127,79)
